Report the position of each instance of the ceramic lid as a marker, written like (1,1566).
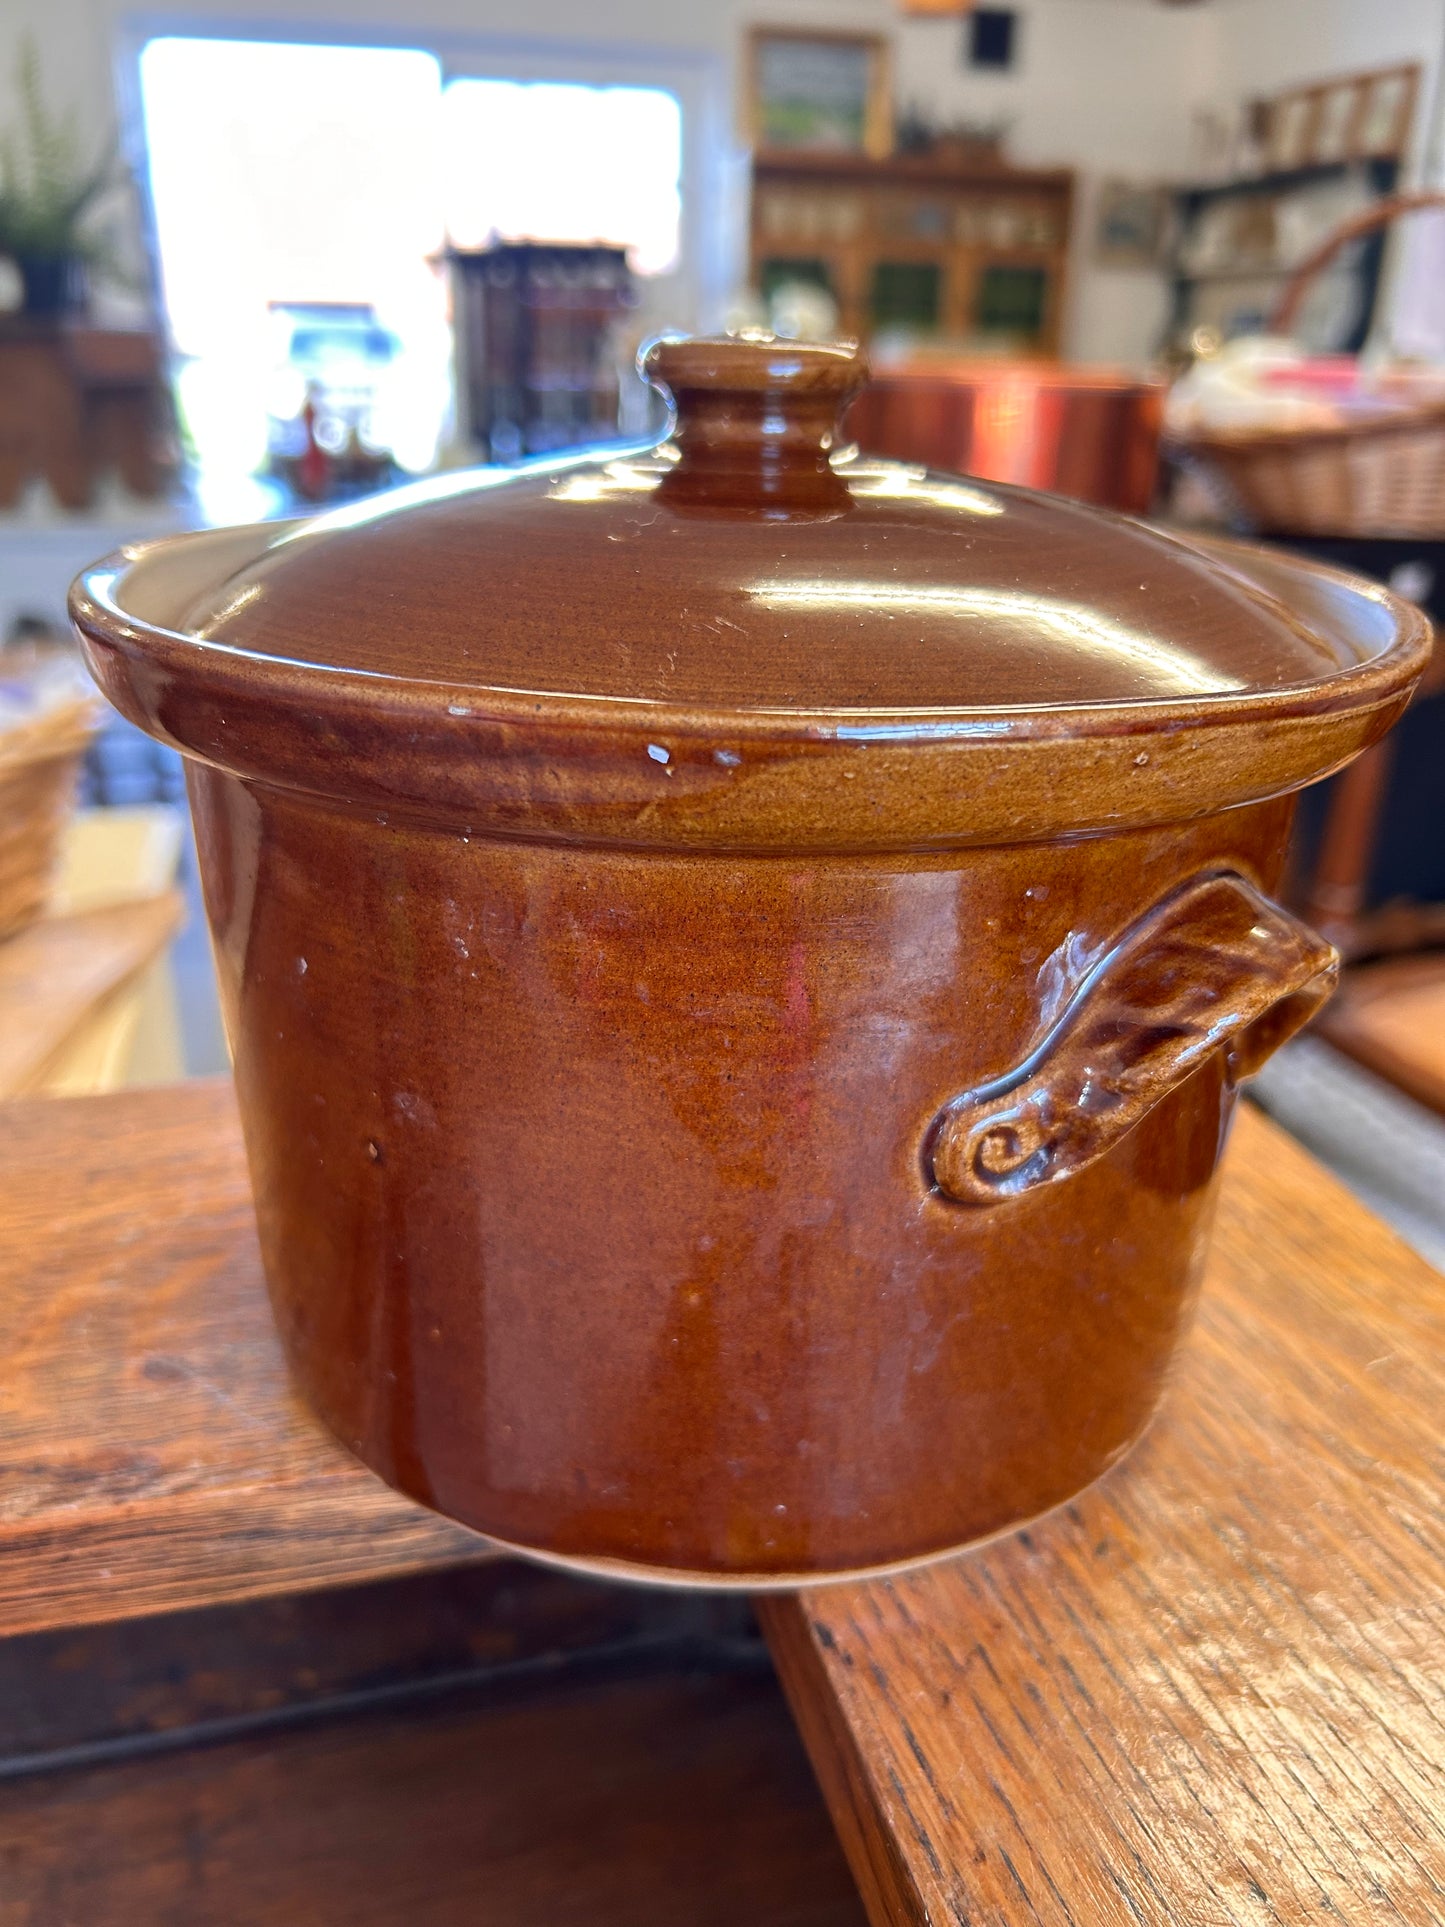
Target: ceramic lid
(744,593)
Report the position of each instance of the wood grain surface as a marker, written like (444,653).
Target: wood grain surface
(651,1794)
(1210,1693)
(58,972)
(108,1692)
(1390,1017)
(152,1453)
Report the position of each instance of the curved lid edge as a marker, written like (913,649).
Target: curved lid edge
(138,599)
(633,775)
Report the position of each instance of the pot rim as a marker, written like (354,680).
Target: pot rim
(99,611)
(585,768)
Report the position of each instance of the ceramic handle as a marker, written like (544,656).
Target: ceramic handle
(1214,966)
(756,420)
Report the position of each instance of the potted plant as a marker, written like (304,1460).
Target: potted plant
(48,195)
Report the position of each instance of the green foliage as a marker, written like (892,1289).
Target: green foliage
(47,189)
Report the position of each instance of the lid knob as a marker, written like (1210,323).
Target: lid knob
(756,420)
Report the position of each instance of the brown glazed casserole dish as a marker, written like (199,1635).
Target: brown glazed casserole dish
(738,961)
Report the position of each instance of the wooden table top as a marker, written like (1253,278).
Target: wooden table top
(152,1453)
(1211,1691)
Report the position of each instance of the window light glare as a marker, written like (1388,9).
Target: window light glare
(558,161)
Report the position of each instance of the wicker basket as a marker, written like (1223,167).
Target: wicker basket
(1381,475)
(39,762)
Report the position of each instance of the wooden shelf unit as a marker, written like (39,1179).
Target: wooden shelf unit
(1236,295)
(991,242)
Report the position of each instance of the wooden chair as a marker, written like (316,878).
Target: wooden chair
(1389,1013)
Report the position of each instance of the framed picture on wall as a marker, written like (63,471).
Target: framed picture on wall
(1130,224)
(821,93)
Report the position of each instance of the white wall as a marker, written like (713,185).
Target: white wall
(1262,47)
(1105,86)
(1100,86)
(88,51)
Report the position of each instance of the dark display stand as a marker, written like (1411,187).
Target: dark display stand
(536,341)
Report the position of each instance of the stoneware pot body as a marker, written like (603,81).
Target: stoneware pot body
(724,1148)
(594,1190)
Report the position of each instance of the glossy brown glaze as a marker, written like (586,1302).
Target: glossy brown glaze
(740,1099)
(757,434)
(1214,966)
(593,1186)
(569,653)
(1208,1693)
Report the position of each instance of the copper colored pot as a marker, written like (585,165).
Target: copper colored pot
(1092,433)
(738,967)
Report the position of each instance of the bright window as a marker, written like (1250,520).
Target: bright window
(549,161)
(289,173)
(322,182)
(299,175)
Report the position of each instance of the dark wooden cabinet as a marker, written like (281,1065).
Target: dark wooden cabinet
(493,1745)
(79,404)
(1236,243)
(537,345)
